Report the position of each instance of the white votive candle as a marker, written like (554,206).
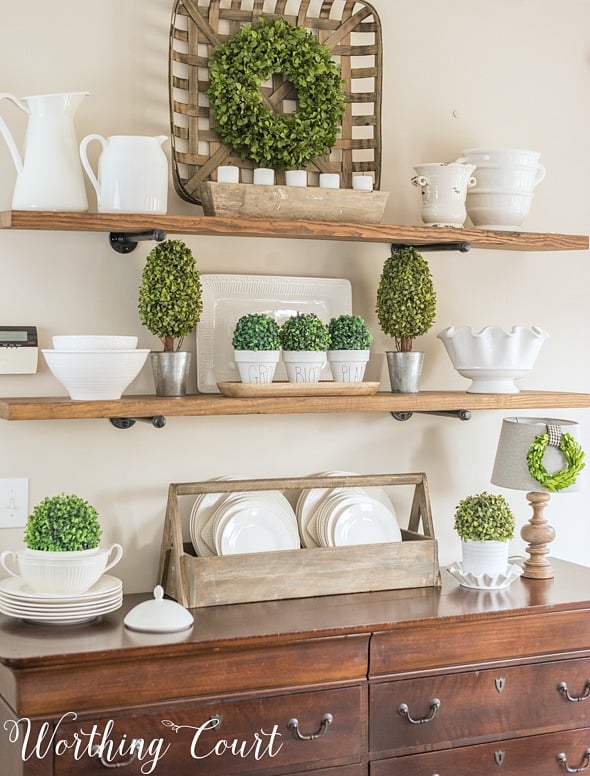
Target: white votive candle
(296,178)
(227,173)
(329,180)
(362,183)
(264,176)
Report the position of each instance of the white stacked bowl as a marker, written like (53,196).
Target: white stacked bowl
(95,367)
(506,180)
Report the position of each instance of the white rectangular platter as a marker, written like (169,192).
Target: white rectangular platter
(227,297)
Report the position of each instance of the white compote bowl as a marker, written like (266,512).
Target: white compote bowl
(492,358)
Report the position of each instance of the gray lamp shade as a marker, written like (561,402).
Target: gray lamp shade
(516,435)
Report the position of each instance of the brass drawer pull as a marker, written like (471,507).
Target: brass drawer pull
(135,746)
(562,687)
(404,710)
(562,760)
(293,725)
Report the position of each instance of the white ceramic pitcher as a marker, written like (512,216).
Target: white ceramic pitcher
(132,173)
(49,174)
(444,189)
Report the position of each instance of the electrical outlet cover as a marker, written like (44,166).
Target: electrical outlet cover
(14,502)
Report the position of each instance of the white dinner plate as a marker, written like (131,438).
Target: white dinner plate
(253,526)
(15,588)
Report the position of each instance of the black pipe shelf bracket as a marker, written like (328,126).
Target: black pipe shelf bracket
(125,242)
(462,246)
(456,414)
(157,421)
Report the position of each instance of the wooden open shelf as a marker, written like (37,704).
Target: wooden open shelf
(58,408)
(301,230)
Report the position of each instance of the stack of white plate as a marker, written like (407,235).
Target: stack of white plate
(245,522)
(18,600)
(337,517)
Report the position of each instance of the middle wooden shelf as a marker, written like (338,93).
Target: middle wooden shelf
(62,408)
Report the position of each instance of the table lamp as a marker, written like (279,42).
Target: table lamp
(540,456)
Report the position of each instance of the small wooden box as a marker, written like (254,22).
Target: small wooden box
(195,581)
(310,203)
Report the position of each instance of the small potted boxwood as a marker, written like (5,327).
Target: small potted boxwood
(305,340)
(406,309)
(257,347)
(62,555)
(485,524)
(349,348)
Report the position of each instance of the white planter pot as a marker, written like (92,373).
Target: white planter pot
(348,366)
(304,366)
(489,557)
(444,189)
(257,366)
(61,573)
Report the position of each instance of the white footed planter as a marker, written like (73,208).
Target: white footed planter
(61,573)
(304,366)
(489,557)
(257,366)
(348,366)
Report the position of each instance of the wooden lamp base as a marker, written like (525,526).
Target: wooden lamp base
(538,533)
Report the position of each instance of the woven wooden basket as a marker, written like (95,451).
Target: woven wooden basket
(350,28)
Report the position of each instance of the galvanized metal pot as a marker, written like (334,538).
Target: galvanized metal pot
(405,370)
(170,372)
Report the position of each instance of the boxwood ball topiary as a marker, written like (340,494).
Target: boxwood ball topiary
(304,331)
(170,295)
(484,517)
(238,68)
(406,299)
(349,332)
(63,523)
(256,331)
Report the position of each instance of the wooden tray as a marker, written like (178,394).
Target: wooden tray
(352,30)
(244,200)
(326,388)
(271,576)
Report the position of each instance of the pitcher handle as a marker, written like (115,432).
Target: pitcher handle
(86,163)
(3,556)
(117,551)
(540,174)
(5,132)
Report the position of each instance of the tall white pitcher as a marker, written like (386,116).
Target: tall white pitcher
(49,173)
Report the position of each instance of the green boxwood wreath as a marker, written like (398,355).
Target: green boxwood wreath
(574,457)
(255,132)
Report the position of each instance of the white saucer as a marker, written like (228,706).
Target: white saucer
(485,581)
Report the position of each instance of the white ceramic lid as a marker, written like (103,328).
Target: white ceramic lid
(158,615)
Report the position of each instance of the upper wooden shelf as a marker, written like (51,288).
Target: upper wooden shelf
(59,408)
(303,230)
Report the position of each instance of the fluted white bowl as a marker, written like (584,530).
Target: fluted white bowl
(93,342)
(492,358)
(95,375)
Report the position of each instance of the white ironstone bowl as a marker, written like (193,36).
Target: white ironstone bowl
(95,375)
(492,358)
(93,342)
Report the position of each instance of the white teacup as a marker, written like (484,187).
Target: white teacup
(60,573)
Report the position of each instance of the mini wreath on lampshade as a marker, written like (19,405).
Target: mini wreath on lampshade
(574,457)
(257,133)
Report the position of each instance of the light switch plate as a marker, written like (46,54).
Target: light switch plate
(14,502)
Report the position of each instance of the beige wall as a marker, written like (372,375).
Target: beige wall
(456,73)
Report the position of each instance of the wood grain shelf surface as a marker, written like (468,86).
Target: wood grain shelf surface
(310,230)
(61,408)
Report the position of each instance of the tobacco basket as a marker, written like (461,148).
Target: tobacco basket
(351,28)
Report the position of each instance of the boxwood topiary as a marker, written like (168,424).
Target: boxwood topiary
(63,523)
(484,517)
(349,332)
(170,295)
(304,331)
(256,331)
(406,299)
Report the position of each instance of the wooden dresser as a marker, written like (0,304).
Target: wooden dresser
(418,682)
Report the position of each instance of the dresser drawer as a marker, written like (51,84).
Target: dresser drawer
(529,756)
(478,704)
(219,738)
